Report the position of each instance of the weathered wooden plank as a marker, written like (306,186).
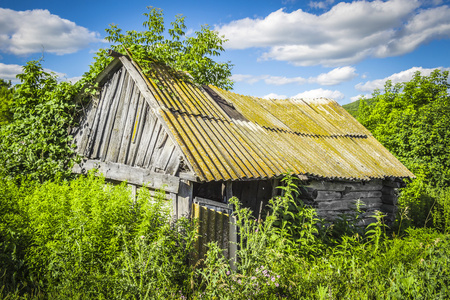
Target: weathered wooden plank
(117,98)
(85,128)
(119,123)
(175,208)
(172,197)
(140,82)
(157,148)
(327,195)
(184,198)
(133,175)
(332,195)
(137,130)
(128,128)
(362,195)
(349,204)
(389,191)
(144,88)
(111,68)
(232,234)
(147,133)
(341,186)
(188,176)
(174,163)
(390,199)
(100,115)
(133,191)
(166,155)
(152,144)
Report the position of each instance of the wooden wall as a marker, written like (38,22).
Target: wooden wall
(334,198)
(122,128)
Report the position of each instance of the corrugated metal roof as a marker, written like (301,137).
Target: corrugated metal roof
(314,138)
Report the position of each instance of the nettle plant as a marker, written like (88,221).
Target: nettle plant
(290,229)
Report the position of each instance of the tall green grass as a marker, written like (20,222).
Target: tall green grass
(86,239)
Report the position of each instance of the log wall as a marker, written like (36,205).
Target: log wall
(334,198)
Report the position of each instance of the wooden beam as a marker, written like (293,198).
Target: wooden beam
(373,185)
(184,199)
(108,71)
(189,176)
(114,53)
(133,175)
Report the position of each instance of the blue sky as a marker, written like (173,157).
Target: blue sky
(279,48)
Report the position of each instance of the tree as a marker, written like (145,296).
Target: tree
(6,96)
(36,142)
(412,120)
(193,55)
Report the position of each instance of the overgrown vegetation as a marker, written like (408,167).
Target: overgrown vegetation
(86,240)
(36,142)
(412,120)
(6,95)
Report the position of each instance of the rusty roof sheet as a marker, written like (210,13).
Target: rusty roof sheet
(271,137)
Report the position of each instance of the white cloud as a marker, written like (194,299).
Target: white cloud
(74,79)
(9,72)
(280,80)
(251,79)
(334,77)
(320,93)
(356,98)
(274,96)
(402,76)
(31,31)
(345,34)
(320,4)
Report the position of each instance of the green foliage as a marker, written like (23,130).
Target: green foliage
(85,239)
(192,54)
(36,142)
(353,107)
(6,97)
(412,120)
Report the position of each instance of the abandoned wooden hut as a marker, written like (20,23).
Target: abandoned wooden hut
(204,145)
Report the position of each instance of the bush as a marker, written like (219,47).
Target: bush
(86,239)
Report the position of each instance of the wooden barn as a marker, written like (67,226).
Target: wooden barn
(205,145)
